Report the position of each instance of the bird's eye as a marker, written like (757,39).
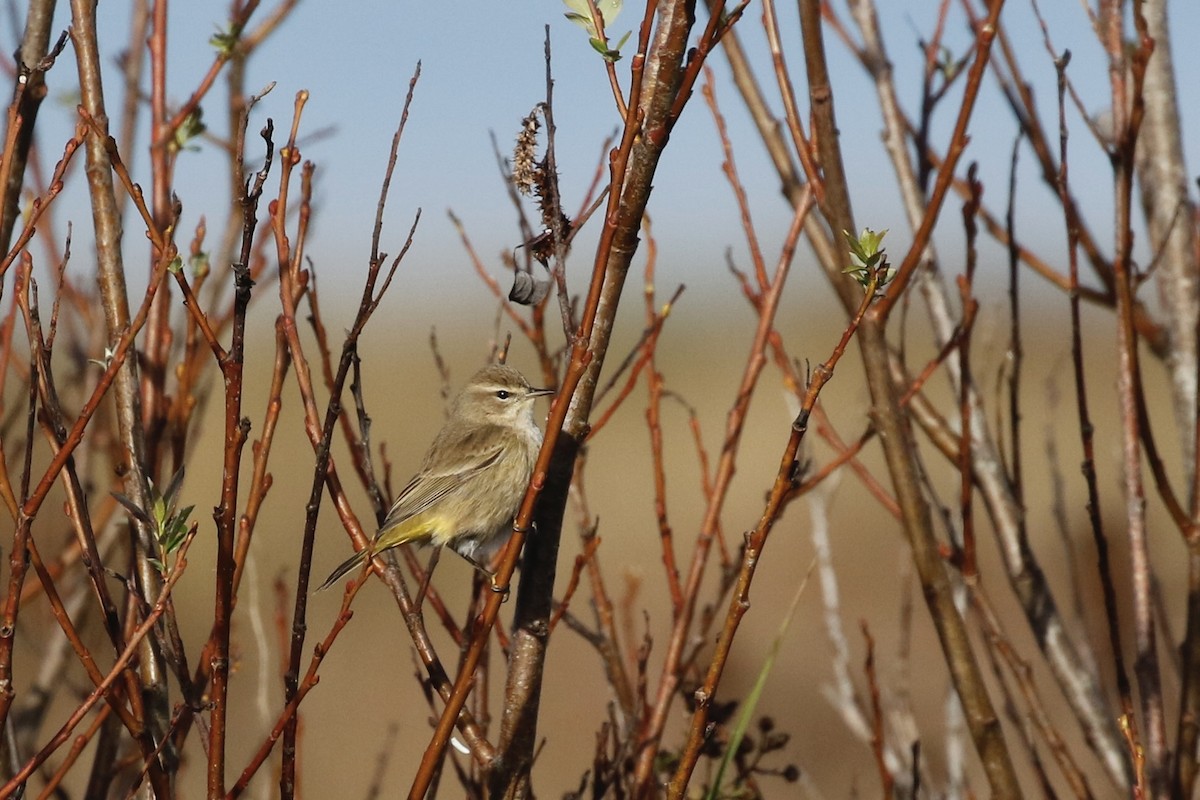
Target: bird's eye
(503,394)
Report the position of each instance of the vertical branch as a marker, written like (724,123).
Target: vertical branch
(52,421)
(137,636)
(1169,212)
(1128,380)
(878,740)
(1188,730)
(237,428)
(770,131)
(834,201)
(654,380)
(110,268)
(29,93)
(1086,428)
(970,569)
(18,555)
(656,75)
(157,342)
(896,433)
(290,288)
(1069,658)
(1015,352)
(801,144)
(786,480)
(1170,215)
(132,66)
(656,717)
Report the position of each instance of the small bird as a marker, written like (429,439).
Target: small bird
(473,477)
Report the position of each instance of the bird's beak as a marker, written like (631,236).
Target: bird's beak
(540,392)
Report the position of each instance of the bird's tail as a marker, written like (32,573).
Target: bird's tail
(353,562)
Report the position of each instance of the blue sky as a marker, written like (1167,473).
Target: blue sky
(483,71)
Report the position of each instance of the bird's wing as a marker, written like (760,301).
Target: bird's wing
(431,485)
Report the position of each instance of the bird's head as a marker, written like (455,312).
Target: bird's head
(497,395)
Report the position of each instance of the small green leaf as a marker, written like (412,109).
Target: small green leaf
(225,41)
(169,527)
(175,530)
(191,128)
(868,261)
(133,508)
(609,55)
(581,14)
(200,265)
(173,485)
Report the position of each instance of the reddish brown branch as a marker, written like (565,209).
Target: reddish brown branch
(652,725)
(303,687)
(781,491)
(1146,667)
(118,668)
(969,566)
(237,428)
(985,34)
(877,741)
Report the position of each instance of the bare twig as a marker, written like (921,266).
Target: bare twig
(131,650)
(781,493)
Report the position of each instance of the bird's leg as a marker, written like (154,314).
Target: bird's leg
(504,589)
(485,570)
(481,555)
(490,575)
(487,573)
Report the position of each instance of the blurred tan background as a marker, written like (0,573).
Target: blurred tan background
(367,684)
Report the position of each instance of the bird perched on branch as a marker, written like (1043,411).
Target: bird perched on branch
(473,477)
